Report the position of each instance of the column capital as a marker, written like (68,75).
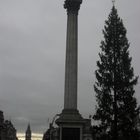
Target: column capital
(72,5)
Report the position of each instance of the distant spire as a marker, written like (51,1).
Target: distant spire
(28,133)
(113,1)
(28,127)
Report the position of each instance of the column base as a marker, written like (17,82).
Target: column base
(70,116)
(71,124)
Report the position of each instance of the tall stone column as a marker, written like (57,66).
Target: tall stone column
(71,66)
(70,112)
(72,126)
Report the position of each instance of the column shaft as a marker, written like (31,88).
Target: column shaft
(71,66)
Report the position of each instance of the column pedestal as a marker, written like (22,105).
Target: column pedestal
(71,125)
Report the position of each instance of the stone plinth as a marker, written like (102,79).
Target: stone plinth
(71,125)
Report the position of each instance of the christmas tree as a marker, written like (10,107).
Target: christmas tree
(116,110)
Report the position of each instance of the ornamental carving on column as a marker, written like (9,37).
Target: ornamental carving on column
(72,5)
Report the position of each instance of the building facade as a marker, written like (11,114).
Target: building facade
(7,130)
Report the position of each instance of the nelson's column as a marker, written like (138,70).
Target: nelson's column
(72,125)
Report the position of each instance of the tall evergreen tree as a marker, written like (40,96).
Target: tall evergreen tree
(117,109)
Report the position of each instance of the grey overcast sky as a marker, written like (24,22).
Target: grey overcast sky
(32,56)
